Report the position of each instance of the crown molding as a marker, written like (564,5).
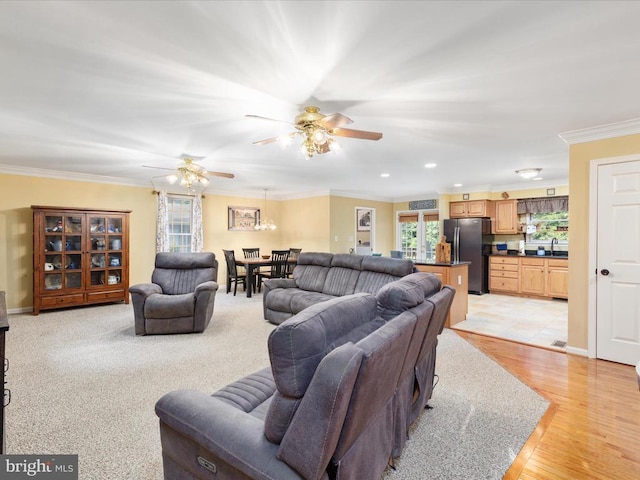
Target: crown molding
(81,177)
(602,132)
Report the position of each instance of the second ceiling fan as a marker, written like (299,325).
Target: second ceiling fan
(317,130)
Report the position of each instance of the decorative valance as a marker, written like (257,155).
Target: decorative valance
(543,204)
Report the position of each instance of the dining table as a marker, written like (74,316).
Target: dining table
(251,264)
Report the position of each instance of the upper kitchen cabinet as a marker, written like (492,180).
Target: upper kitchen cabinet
(472,208)
(506,217)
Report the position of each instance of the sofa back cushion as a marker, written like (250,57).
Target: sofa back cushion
(403,294)
(378,271)
(315,428)
(343,274)
(311,270)
(178,273)
(298,345)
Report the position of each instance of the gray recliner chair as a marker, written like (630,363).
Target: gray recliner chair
(180,297)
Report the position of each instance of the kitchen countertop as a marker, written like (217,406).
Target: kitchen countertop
(555,255)
(441,264)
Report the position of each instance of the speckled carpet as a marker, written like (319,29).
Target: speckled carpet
(82,383)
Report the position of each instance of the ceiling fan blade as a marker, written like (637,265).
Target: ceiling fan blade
(221,174)
(266,141)
(335,120)
(266,118)
(159,168)
(348,132)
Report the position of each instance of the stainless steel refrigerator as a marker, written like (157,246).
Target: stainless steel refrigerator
(470,240)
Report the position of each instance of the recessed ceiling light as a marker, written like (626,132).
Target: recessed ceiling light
(384,175)
(430,165)
(457,184)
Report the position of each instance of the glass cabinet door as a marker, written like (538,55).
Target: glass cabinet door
(106,250)
(62,252)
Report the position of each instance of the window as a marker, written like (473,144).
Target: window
(548,226)
(179,211)
(418,234)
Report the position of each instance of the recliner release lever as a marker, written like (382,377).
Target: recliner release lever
(208,465)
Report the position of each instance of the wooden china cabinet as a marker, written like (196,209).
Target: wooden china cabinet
(80,257)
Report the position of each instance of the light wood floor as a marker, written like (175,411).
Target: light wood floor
(591,430)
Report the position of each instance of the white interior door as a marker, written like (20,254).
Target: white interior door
(618,263)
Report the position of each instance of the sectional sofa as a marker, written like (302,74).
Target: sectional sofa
(347,378)
(319,277)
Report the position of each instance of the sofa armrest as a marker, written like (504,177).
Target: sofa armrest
(231,435)
(145,289)
(206,287)
(139,294)
(273,283)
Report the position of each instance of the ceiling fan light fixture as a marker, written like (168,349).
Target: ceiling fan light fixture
(529,173)
(320,137)
(173,178)
(285,140)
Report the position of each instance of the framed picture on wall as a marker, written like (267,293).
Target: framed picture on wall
(363,219)
(243,218)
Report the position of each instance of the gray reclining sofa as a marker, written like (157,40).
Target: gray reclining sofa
(347,378)
(319,277)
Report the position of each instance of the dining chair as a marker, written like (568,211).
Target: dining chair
(279,260)
(294,253)
(233,276)
(251,252)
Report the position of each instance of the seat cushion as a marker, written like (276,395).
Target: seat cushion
(169,306)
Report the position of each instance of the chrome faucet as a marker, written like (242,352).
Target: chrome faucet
(553,240)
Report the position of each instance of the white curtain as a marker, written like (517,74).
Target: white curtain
(196,227)
(162,232)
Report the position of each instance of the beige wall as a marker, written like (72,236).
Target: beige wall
(16,225)
(343,224)
(302,223)
(580,156)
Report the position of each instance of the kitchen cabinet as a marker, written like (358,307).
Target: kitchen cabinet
(504,274)
(472,208)
(506,217)
(557,278)
(532,276)
(80,257)
(456,276)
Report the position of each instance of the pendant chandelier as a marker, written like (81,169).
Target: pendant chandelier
(267,223)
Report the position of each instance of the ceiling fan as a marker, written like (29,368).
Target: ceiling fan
(317,131)
(190,173)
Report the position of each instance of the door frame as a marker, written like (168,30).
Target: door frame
(593,245)
(372,231)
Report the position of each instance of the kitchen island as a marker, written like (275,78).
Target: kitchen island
(455,275)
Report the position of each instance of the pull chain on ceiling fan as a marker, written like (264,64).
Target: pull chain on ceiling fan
(317,131)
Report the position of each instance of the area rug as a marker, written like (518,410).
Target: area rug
(82,383)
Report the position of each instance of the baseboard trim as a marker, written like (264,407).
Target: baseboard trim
(581,352)
(20,310)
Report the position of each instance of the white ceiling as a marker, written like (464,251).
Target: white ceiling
(481,88)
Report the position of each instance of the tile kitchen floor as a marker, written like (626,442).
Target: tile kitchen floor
(536,322)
